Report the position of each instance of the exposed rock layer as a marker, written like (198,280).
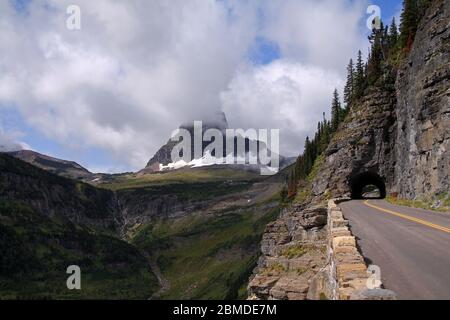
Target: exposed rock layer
(52,195)
(403,135)
(422,157)
(294,251)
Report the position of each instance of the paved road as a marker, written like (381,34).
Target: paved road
(411,246)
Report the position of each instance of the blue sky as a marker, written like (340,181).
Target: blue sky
(20,5)
(264,51)
(96,159)
(261,52)
(389,8)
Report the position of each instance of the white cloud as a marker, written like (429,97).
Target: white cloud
(323,33)
(128,77)
(9,141)
(137,69)
(283,95)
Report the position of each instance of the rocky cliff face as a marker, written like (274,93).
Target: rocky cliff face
(401,137)
(422,144)
(294,251)
(364,143)
(55,196)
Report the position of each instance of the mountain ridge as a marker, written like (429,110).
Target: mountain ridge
(65,168)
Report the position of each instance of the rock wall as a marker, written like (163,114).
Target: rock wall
(364,142)
(293,255)
(422,165)
(310,254)
(348,276)
(402,135)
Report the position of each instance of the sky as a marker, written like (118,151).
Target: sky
(109,94)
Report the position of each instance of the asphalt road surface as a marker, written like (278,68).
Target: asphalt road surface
(411,246)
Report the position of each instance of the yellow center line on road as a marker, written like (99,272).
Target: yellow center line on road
(404,216)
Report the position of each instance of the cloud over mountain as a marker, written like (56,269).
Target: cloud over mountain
(137,69)
(285,95)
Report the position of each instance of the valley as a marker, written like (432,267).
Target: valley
(200,228)
(195,230)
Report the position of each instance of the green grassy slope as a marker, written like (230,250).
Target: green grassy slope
(440,202)
(35,252)
(202,256)
(180,176)
(186,192)
(207,257)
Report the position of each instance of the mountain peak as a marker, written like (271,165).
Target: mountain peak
(217,120)
(162,160)
(68,169)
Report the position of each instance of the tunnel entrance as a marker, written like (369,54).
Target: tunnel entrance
(367,185)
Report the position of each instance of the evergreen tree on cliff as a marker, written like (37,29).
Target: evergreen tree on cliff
(336,111)
(393,34)
(349,90)
(374,68)
(359,86)
(408,26)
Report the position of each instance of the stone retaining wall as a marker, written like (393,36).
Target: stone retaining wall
(309,253)
(348,275)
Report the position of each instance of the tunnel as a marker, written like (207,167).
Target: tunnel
(359,183)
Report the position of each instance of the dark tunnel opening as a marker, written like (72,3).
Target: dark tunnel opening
(360,184)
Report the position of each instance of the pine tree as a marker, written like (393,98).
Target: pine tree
(335,111)
(349,90)
(359,86)
(326,136)
(393,34)
(284,194)
(408,25)
(376,56)
(308,155)
(385,43)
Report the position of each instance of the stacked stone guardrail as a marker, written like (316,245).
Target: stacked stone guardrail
(349,278)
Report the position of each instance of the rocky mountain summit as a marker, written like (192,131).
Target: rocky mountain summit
(163,156)
(162,160)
